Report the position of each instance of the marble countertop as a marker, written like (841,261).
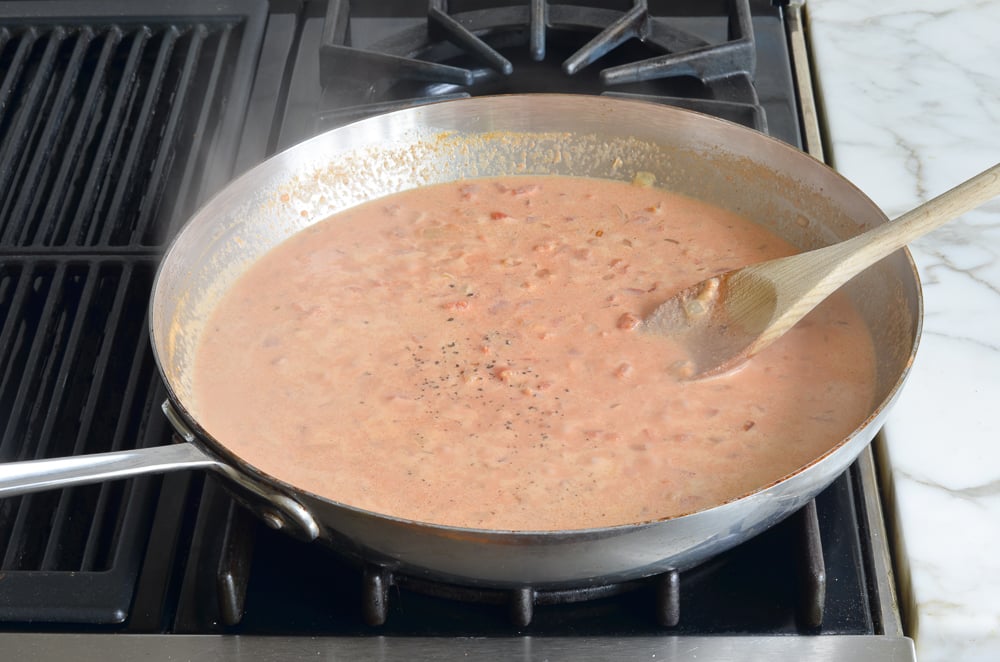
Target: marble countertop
(910,91)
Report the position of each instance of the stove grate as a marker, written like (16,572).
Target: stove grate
(801,577)
(679,52)
(76,376)
(112,128)
(702,62)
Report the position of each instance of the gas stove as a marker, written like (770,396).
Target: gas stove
(117,119)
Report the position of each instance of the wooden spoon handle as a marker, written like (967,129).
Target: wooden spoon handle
(801,281)
(753,306)
(808,278)
(968,195)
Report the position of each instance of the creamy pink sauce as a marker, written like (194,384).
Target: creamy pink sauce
(462,354)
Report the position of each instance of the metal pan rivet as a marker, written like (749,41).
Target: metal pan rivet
(273,520)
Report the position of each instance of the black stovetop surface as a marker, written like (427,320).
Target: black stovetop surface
(116,121)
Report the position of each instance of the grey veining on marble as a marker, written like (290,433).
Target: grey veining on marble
(911,96)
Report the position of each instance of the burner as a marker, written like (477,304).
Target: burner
(702,62)
(665,588)
(367,595)
(681,52)
(520,602)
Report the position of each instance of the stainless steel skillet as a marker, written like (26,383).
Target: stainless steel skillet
(705,158)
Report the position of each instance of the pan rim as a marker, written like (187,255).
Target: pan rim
(601,104)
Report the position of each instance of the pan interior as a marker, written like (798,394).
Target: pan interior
(724,164)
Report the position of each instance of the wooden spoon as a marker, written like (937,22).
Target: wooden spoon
(726,319)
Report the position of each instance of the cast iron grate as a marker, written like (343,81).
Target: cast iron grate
(665,605)
(76,376)
(804,576)
(415,54)
(703,59)
(111,130)
(114,125)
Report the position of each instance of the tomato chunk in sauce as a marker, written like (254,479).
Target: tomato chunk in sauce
(466,354)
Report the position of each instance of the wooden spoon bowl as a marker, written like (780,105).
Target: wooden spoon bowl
(724,320)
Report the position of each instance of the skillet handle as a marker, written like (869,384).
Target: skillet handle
(40,475)
(278,510)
